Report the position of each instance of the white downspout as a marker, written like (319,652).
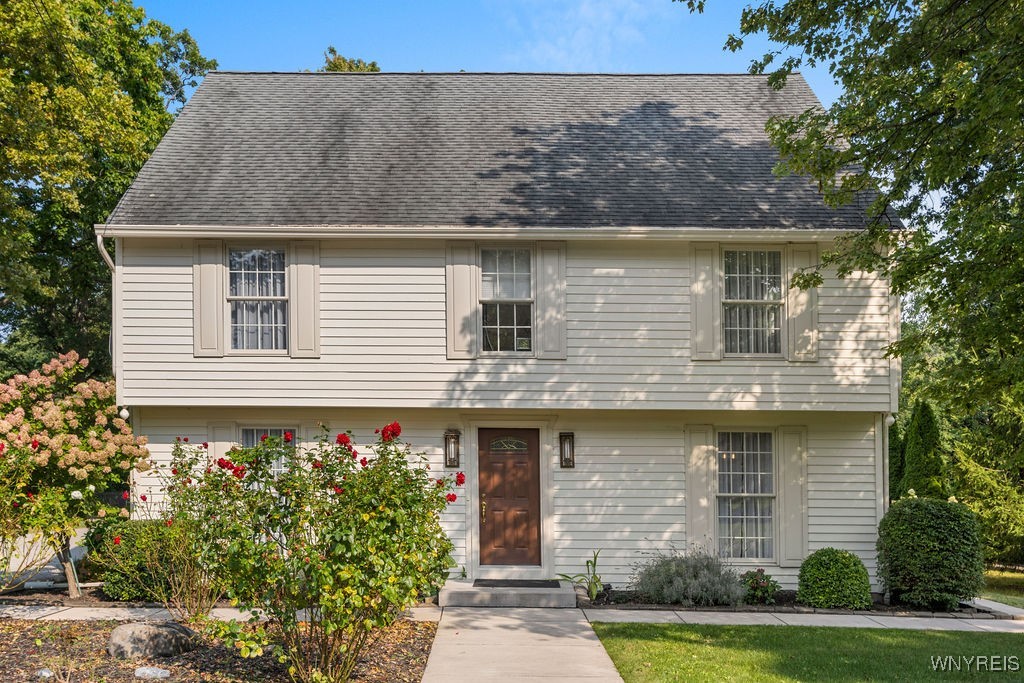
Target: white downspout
(103,252)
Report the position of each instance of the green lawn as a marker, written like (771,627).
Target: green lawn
(1006,587)
(672,652)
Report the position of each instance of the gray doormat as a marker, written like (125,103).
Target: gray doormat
(514,583)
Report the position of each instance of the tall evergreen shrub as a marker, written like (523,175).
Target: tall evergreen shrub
(923,467)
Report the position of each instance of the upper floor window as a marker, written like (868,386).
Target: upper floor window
(256,300)
(746,495)
(752,302)
(257,295)
(506,299)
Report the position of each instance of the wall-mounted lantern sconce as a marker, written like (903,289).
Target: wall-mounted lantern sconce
(451,448)
(566,450)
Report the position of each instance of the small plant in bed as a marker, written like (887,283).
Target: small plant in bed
(589,580)
(760,586)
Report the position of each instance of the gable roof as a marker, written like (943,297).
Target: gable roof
(475,149)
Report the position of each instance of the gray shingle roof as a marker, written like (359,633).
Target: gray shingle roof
(531,150)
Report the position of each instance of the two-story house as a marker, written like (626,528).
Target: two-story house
(574,288)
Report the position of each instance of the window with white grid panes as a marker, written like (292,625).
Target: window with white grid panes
(746,495)
(752,302)
(258,299)
(506,299)
(253,435)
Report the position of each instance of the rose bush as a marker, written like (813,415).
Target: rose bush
(61,441)
(335,545)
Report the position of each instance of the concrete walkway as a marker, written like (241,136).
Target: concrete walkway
(517,644)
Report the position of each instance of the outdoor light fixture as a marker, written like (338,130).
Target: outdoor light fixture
(124,414)
(451,448)
(566,450)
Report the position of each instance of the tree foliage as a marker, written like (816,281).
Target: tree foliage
(339,63)
(930,116)
(87,89)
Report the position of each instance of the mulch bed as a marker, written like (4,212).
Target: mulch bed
(398,654)
(785,602)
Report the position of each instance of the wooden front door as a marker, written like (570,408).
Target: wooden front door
(509,497)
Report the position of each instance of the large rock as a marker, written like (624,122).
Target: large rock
(156,639)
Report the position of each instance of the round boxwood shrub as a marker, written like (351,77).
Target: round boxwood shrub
(834,579)
(930,553)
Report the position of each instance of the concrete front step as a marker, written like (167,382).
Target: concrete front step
(458,593)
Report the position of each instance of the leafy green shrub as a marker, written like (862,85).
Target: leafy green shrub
(121,551)
(760,586)
(831,578)
(694,579)
(930,553)
(350,540)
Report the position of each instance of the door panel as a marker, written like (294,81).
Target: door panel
(509,497)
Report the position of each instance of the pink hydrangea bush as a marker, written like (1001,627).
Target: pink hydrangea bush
(61,441)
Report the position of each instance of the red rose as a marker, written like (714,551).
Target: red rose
(239,471)
(317,465)
(2,447)
(390,432)
(169,522)
(460,478)
(287,437)
(339,490)
(35,444)
(124,496)
(185,439)
(440,483)
(343,440)
(142,498)
(174,470)
(30,495)
(363,461)
(117,540)
(451,497)
(263,438)
(206,445)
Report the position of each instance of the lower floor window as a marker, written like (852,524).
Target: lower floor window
(253,435)
(746,495)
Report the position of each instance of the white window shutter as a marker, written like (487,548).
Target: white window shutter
(304,299)
(550,341)
(792,496)
(208,302)
(700,498)
(461,301)
(801,307)
(706,304)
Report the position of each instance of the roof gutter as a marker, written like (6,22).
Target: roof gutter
(465,232)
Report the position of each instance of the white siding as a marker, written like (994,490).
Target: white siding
(626,495)
(383,340)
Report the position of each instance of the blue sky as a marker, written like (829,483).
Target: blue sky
(619,36)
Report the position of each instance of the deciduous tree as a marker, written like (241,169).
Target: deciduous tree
(335,62)
(87,89)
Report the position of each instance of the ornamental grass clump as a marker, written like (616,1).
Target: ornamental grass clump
(328,543)
(697,578)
